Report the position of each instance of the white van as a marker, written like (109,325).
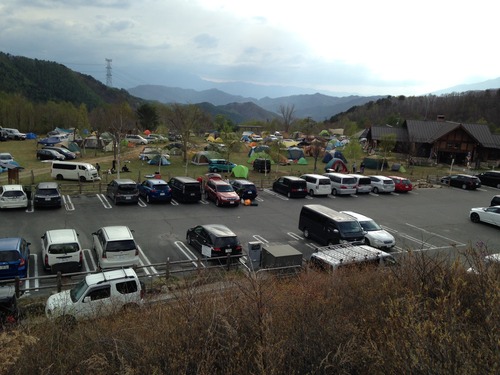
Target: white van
(61,250)
(342,184)
(317,184)
(364,184)
(115,247)
(69,170)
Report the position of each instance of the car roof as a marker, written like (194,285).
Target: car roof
(9,243)
(97,278)
(12,187)
(243,182)
(219,182)
(62,235)
(118,231)
(124,181)
(155,181)
(47,185)
(315,175)
(381,177)
(219,230)
(357,216)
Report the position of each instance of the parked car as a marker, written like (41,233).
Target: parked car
(155,190)
(291,186)
(123,190)
(14,134)
(61,251)
(137,139)
(220,165)
(13,196)
(382,184)
(214,240)
(495,201)
(490,215)
(185,189)
(115,247)
(401,184)
(97,295)
(490,178)
(342,184)
(463,181)
(364,184)
(14,257)
(262,165)
(47,194)
(69,155)
(221,192)
(317,184)
(6,157)
(374,235)
(244,188)
(46,154)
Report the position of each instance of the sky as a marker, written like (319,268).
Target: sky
(360,47)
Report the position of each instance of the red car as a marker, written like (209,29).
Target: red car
(402,185)
(222,193)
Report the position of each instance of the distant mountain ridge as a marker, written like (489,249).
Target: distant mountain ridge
(316,106)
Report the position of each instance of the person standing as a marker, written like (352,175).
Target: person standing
(362,167)
(98,167)
(354,167)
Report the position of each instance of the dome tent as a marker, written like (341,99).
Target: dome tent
(204,157)
(240,171)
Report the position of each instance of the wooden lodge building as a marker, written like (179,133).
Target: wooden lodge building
(442,141)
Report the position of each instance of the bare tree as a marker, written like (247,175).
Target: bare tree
(286,112)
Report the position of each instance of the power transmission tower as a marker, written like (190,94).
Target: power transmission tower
(109,77)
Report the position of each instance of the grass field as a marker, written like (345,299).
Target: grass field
(35,171)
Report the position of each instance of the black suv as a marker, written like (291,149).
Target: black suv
(245,189)
(490,178)
(291,186)
(214,240)
(123,190)
(463,181)
(47,194)
(262,165)
(185,189)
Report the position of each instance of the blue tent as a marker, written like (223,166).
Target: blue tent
(156,160)
(50,141)
(30,136)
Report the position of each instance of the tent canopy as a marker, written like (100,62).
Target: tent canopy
(337,165)
(204,157)
(240,171)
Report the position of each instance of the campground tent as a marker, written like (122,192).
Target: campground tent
(258,149)
(259,155)
(295,153)
(337,165)
(204,157)
(157,159)
(240,171)
(334,154)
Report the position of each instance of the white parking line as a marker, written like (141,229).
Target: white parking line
(146,262)
(268,191)
(68,203)
(295,236)
(260,238)
(187,252)
(437,235)
(141,203)
(259,199)
(104,201)
(174,202)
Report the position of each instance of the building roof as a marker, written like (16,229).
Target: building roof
(378,132)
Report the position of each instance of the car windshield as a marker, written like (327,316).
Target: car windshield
(78,290)
(324,181)
(349,227)
(224,188)
(349,180)
(370,225)
(9,256)
(63,248)
(252,187)
(388,182)
(405,182)
(13,194)
(162,187)
(123,245)
(47,192)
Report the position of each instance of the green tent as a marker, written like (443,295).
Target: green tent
(259,155)
(302,161)
(240,171)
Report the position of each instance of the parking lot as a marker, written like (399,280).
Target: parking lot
(433,220)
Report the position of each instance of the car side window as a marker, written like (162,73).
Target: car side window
(126,287)
(99,293)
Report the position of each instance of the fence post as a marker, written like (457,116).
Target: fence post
(167,269)
(228,261)
(17,286)
(59,281)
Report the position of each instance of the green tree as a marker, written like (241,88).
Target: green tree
(387,144)
(287,112)
(148,117)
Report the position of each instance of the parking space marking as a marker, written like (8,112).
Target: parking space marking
(146,262)
(68,204)
(295,236)
(268,191)
(187,252)
(91,256)
(141,203)
(259,199)
(174,202)
(260,238)
(104,201)
(203,201)
(435,234)
(31,207)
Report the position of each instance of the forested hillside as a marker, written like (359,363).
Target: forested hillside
(479,107)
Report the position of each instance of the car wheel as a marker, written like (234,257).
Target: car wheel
(464,186)
(115,201)
(83,179)
(215,170)
(367,241)
(59,177)
(474,217)
(306,233)
(289,195)
(334,191)
(311,193)
(147,198)
(375,190)
(206,196)
(498,186)
(189,240)
(130,307)
(217,203)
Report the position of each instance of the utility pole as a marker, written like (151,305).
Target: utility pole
(109,77)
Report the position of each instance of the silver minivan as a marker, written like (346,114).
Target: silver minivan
(115,247)
(317,184)
(342,184)
(61,251)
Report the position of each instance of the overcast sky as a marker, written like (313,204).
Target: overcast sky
(363,47)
